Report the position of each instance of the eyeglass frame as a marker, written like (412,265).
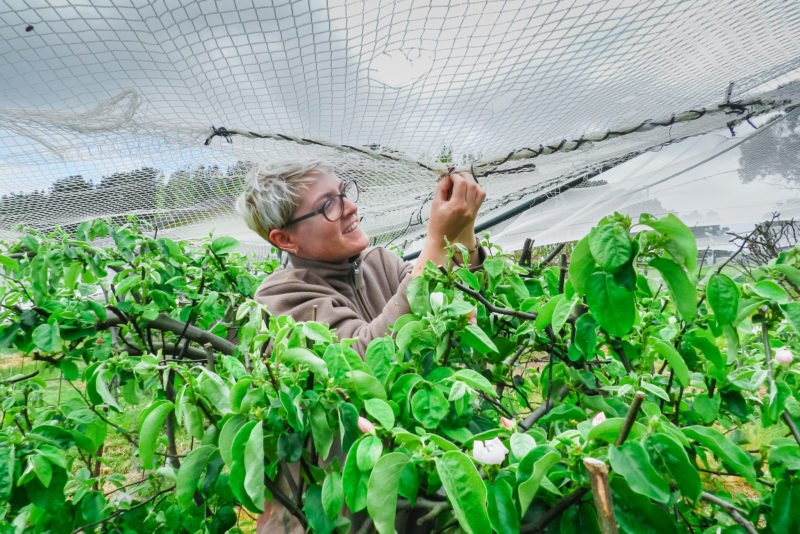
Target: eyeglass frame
(321,211)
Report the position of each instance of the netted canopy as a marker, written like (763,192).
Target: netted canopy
(158,108)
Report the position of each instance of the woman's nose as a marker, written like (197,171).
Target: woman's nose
(348,206)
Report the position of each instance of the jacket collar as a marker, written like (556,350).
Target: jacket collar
(339,269)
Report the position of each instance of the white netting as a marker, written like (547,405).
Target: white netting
(105,107)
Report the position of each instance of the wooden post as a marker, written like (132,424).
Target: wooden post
(598,476)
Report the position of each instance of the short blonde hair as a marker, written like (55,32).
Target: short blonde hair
(272,192)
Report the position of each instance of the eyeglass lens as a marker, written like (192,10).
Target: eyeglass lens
(334,207)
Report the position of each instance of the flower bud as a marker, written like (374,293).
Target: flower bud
(437,300)
(784,356)
(491,452)
(599,418)
(472,317)
(507,423)
(365,425)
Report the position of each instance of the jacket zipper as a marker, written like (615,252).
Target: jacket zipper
(358,286)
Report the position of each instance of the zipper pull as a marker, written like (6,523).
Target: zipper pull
(358,279)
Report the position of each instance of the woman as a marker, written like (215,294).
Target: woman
(302,208)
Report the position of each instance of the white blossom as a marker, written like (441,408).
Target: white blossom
(437,300)
(599,418)
(365,425)
(489,452)
(784,356)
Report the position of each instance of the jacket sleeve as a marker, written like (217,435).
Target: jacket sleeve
(298,298)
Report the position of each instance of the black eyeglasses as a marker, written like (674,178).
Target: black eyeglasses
(334,206)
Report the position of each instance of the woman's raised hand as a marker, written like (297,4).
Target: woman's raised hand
(456,202)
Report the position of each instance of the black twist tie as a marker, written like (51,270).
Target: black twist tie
(222,132)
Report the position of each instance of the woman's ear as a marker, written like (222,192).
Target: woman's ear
(283,239)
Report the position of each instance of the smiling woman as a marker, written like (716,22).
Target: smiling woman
(305,210)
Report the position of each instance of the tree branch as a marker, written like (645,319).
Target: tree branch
(731,510)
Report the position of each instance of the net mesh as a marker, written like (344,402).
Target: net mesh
(157,109)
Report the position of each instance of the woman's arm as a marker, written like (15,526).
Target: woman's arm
(456,202)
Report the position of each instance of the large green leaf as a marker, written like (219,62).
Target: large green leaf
(680,242)
(228,434)
(609,429)
(681,288)
(732,456)
(723,297)
(674,461)
(354,482)
(785,516)
(637,514)
(675,360)
(301,356)
(321,430)
(527,489)
(369,450)
(586,335)
(189,474)
(791,311)
(429,407)
(581,265)
(611,246)
(474,337)
(332,494)
(365,385)
(7,460)
(611,305)
(771,291)
(254,466)
(502,512)
(224,245)
(47,337)
(318,521)
(382,490)
(97,388)
(381,411)
(465,490)
(476,380)
(379,355)
(633,464)
(150,429)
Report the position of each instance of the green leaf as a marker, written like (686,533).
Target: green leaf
(318,520)
(503,514)
(381,411)
(545,316)
(465,491)
(223,245)
(637,514)
(706,407)
(675,360)
(429,407)
(610,245)
(611,305)
(723,297)
(189,474)
(771,291)
(680,243)
(581,265)
(609,429)
(228,434)
(9,263)
(561,312)
(681,288)
(474,337)
(97,388)
(382,491)
(321,430)
(301,356)
(527,489)
(586,334)
(476,380)
(791,311)
(42,469)
(785,516)
(732,456)
(408,334)
(369,450)
(47,337)
(317,332)
(365,385)
(332,494)
(7,460)
(150,428)
(254,466)
(379,357)
(675,462)
(633,464)
(417,295)
(354,482)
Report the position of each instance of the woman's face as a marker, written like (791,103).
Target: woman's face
(317,238)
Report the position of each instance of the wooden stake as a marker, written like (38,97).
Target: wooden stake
(598,476)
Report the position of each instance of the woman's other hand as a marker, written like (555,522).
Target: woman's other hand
(456,202)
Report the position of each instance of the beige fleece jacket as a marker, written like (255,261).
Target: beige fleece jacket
(358,298)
